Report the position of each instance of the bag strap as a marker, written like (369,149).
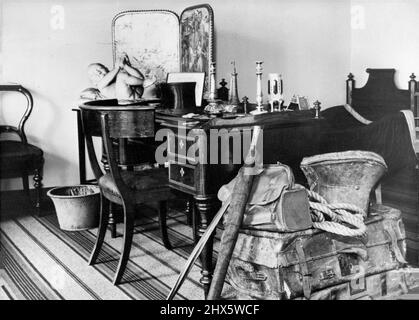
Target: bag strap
(303,268)
(393,243)
(290,175)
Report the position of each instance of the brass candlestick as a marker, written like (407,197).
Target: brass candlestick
(213,92)
(259,95)
(214,104)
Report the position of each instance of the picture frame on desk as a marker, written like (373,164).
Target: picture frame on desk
(197,41)
(298,103)
(303,103)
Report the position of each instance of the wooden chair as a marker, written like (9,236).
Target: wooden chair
(18,158)
(123,187)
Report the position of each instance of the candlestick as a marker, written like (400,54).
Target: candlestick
(213,92)
(214,104)
(259,95)
(233,98)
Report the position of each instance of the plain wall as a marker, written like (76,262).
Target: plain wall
(386,37)
(307,41)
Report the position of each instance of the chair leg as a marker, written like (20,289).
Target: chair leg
(112,220)
(129,211)
(163,224)
(37,178)
(103,224)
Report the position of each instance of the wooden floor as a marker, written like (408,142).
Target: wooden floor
(15,204)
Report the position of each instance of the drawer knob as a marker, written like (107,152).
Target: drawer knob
(181,143)
(182,172)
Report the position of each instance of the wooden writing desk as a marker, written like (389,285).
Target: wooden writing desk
(287,138)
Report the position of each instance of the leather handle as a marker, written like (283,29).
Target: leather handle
(362,253)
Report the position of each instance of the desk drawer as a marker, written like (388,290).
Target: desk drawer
(179,145)
(182,175)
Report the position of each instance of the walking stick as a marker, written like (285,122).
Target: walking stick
(205,237)
(234,221)
(198,249)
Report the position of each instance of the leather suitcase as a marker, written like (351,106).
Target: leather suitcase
(275,265)
(385,285)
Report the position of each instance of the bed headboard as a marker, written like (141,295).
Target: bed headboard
(381,91)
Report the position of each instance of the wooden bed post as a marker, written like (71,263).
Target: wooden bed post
(350,84)
(413,97)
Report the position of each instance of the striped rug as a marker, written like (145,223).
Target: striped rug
(40,261)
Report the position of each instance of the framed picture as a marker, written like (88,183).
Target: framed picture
(299,103)
(303,103)
(197,77)
(196,41)
(159,42)
(150,38)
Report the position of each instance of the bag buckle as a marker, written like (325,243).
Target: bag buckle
(329,273)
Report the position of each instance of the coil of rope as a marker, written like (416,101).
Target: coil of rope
(339,216)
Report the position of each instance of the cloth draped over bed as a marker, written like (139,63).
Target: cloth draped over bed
(388,135)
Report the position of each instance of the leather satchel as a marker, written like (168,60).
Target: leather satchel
(275,202)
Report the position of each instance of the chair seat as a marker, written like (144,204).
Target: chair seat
(147,185)
(15,154)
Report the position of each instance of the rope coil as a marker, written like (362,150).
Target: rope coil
(338,216)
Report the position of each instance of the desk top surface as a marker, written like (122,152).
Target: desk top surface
(205,121)
(264,119)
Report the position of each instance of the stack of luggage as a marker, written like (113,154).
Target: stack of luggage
(285,256)
(405,185)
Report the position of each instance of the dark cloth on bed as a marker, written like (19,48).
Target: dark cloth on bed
(338,118)
(388,135)
(375,113)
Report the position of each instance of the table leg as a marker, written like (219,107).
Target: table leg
(82,149)
(195,221)
(189,212)
(205,209)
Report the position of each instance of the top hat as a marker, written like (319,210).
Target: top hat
(179,96)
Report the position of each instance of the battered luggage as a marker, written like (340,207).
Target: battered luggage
(385,285)
(345,177)
(278,265)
